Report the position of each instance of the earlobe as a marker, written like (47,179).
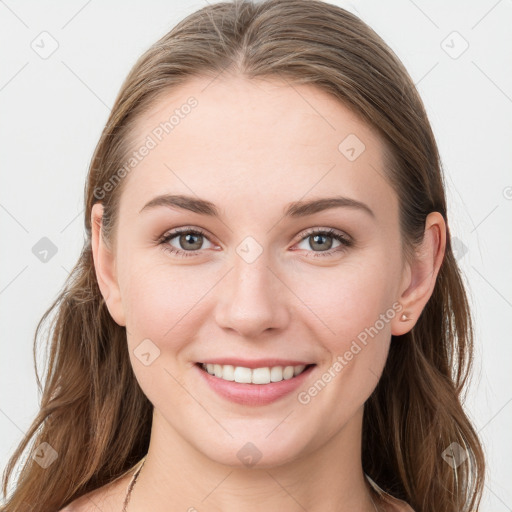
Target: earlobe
(104,266)
(421,274)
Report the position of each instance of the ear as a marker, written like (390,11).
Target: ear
(104,265)
(419,277)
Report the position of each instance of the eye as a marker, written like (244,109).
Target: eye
(322,239)
(189,241)
(186,238)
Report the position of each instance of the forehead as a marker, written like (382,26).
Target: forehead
(242,140)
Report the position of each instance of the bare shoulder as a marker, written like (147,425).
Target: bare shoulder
(391,504)
(108,498)
(86,503)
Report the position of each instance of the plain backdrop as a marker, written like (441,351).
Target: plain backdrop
(53,108)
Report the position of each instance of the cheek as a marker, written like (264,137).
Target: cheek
(159,300)
(354,305)
(147,297)
(354,310)
(163,310)
(347,299)
(153,301)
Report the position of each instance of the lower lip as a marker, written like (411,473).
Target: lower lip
(253,394)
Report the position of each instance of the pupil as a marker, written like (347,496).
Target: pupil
(189,238)
(320,237)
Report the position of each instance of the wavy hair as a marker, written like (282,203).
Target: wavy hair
(92,410)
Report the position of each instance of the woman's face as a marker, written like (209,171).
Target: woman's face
(261,281)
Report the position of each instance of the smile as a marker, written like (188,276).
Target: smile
(263,375)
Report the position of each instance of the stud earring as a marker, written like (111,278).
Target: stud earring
(404,318)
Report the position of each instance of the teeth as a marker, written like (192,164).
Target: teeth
(253,376)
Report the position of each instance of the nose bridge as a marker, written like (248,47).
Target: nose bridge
(251,301)
(251,268)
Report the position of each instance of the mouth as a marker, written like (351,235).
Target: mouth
(258,376)
(255,386)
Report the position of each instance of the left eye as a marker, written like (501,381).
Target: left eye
(319,238)
(323,241)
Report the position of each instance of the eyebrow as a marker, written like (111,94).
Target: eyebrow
(295,209)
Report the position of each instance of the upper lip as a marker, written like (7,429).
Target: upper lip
(255,363)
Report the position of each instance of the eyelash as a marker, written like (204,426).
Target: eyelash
(345,242)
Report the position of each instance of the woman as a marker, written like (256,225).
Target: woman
(267,313)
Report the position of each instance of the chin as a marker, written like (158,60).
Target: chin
(255,452)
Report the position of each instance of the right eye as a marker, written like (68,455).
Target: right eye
(189,239)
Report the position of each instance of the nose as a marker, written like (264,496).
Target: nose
(252,298)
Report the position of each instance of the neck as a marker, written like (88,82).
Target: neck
(327,478)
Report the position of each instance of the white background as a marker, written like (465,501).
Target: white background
(53,110)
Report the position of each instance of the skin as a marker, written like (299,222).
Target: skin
(251,147)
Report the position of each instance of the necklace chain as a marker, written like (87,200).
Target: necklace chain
(130,487)
(136,474)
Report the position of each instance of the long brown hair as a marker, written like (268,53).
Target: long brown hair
(93,412)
